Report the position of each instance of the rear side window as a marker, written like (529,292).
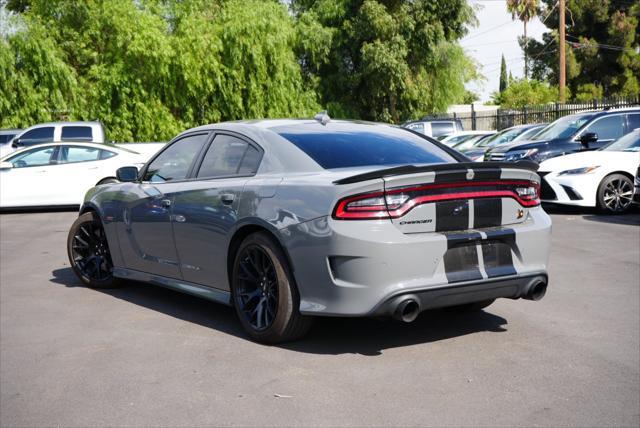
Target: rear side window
(174,162)
(106,154)
(38,135)
(76,133)
(441,128)
(229,156)
(608,127)
(73,154)
(351,145)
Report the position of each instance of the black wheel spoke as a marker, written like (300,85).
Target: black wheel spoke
(90,252)
(256,289)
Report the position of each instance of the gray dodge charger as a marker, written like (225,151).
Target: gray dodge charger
(290,219)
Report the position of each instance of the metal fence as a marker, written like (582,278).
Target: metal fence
(504,118)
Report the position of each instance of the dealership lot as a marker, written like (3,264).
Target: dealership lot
(141,355)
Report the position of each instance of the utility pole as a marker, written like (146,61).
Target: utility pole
(562,65)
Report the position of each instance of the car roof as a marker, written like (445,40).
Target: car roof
(76,123)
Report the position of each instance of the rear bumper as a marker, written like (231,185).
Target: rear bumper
(352,268)
(514,287)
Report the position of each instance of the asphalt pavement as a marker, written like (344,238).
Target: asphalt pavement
(147,356)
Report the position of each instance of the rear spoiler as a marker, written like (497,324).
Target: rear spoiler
(460,166)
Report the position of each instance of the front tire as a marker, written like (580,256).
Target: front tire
(615,194)
(88,252)
(264,293)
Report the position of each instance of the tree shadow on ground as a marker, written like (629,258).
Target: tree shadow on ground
(333,336)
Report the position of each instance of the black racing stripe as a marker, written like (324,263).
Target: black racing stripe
(450,176)
(461,258)
(508,236)
(487,212)
(497,252)
(487,174)
(452,215)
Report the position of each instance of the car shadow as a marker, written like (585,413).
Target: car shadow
(329,335)
(33,210)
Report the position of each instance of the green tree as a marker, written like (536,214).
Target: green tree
(525,11)
(149,69)
(504,82)
(385,60)
(602,52)
(524,92)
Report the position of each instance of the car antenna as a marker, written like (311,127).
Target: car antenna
(322,117)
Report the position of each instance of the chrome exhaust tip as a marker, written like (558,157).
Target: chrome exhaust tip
(536,290)
(407,310)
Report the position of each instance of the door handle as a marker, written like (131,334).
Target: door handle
(227,198)
(165,203)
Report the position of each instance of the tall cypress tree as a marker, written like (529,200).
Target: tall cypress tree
(503,75)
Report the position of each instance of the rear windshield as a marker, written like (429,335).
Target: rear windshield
(343,145)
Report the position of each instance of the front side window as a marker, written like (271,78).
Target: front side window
(72,154)
(5,138)
(76,133)
(607,128)
(38,135)
(229,156)
(633,120)
(35,157)
(175,161)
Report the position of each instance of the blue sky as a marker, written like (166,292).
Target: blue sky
(495,35)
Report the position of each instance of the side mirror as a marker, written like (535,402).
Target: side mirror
(588,137)
(127,174)
(6,165)
(16,143)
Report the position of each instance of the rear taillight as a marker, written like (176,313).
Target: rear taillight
(396,202)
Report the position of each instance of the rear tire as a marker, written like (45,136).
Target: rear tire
(472,307)
(615,194)
(264,293)
(88,252)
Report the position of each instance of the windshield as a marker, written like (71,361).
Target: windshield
(564,127)
(626,143)
(469,143)
(504,136)
(529,134)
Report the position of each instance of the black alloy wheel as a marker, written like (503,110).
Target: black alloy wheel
(88,252)
(264,293)
(257,288)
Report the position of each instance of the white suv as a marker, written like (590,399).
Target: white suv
(82,132)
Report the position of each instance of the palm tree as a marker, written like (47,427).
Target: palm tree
(525,11)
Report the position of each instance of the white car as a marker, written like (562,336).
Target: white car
(601,178)
(59,174)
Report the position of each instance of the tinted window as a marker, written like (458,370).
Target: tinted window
(441,128)
(174,162)
(633,120)
(37,135)
(607,128)
(341,145)
(5,138)
(418,127)
(106,154)
(229,156)
(34,157)
(71,154)
(77,133)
